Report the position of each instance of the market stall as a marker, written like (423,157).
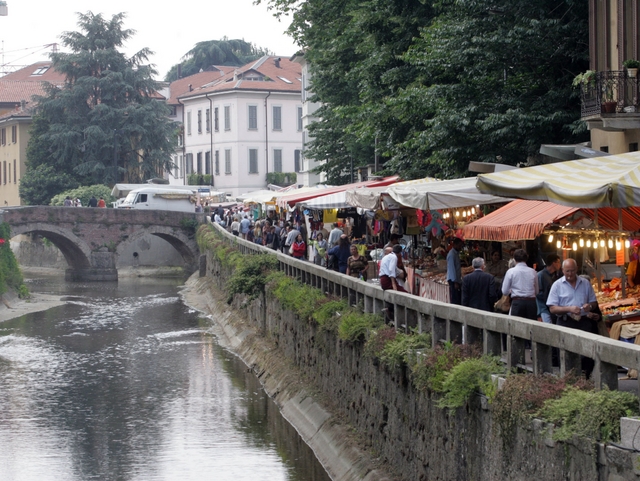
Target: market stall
(437,209)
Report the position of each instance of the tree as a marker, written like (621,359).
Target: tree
(41,183)
(107,103)
(205,54)
(435,84)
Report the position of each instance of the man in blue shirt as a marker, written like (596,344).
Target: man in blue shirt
(454,272)
(245,224)
(574,303)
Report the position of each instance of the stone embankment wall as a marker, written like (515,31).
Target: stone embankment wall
(402,426)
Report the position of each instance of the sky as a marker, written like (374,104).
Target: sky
(168,29)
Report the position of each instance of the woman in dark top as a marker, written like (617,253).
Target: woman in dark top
(356,264)
(342,251)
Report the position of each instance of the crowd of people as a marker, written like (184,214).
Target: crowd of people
(93,202)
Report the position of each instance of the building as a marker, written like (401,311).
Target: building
(307,177)
(244,129)
(16,92)
(610,95)
(176,89)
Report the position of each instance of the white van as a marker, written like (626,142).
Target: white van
(159,198)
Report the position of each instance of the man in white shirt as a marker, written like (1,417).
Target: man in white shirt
(521,282)
(388,273)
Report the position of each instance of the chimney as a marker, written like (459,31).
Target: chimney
(190,87)
(277,61)
(23,104)
(235,75)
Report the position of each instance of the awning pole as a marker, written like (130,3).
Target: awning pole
(597,256)
(623,277)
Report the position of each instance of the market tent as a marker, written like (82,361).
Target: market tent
(331,201)
(612,181)
(289,200)
(424,194)
(527,219)
(518,220)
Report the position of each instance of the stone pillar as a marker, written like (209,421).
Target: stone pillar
(103,268)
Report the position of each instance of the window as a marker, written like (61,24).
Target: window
(604,148)
(296,161)
(633,147)
(216,123)
(173,111)
(227,161)
(277,118)
(199,121)
(4,171)
(253,161)
(199,162)
(253,117)
(15,172)
(299,119)
(285,80)
(277,160)
(178,166)
(304,87)
(41,70)
(180,138)
(3,136)
(227,117)
(188,164)
(207,163)
(208,120)
(188,123)
(217,162)
(14,134)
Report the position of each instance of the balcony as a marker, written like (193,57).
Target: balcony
(611,101)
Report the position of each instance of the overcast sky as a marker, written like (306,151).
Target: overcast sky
(170,29)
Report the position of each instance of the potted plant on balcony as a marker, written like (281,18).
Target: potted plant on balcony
(632,67)
(585,79)
(609,102)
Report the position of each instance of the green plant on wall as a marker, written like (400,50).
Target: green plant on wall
(282,178)
(199,179)
(10,274)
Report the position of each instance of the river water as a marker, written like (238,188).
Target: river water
(126,383)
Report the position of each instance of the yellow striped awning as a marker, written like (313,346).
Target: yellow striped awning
(612,181)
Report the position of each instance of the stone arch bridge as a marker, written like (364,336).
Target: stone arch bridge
(91,239)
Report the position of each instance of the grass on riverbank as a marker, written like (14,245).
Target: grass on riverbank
(10,274)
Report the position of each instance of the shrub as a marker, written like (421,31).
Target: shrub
(469,376)
(401,350)
(431,372)
(84,193)
(378,340)
(354,325)
(189,225)
(250,275)
(591,414)
(10,274)
(522,395)
(327,315)
(303,300)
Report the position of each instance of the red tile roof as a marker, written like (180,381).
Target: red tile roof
(27,73)
(284,77)
(181,86)
(14,91)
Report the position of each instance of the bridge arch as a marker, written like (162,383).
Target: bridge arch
(75,251)
(186,245)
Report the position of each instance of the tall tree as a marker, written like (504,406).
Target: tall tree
(437,83)
(204,54)
(105,111)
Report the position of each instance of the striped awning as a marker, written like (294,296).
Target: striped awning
(518,220)
(527,219)
(612,181)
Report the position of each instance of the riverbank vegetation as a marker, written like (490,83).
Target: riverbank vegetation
(10,274)
(453,372)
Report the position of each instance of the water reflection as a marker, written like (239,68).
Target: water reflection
(125,383)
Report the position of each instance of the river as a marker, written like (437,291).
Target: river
(125,382)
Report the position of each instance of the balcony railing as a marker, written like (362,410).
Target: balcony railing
(611,92)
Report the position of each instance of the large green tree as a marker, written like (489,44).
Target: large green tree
(105,123)
(203,55)
(437,83)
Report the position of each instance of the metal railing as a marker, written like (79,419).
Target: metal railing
(447,322)
(610,92)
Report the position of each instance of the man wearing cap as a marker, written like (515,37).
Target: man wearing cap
(633,273)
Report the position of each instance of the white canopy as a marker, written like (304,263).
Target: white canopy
(424,194)
(612,181)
